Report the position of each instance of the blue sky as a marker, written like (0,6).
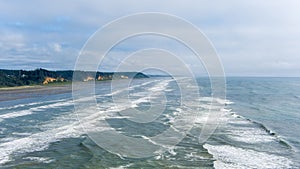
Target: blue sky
(252,38)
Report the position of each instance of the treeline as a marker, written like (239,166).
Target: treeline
(11,78)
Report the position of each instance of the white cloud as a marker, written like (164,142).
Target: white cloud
(56,47)
(11,40)
(245,33)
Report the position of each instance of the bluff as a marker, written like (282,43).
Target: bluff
(11,78)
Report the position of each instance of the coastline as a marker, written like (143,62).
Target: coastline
(19,87)
(22,92)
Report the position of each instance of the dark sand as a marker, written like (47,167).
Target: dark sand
(13,93)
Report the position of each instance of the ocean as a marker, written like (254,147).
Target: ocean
(259,126)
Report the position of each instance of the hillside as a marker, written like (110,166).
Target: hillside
(11,78)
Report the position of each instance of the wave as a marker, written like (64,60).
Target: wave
(38,141)
(30,104)
(248,144)
(39,159)
(33,110)
(231,157)
(270,132)
(15,114)
(126,88)
(68,126)
(63,126)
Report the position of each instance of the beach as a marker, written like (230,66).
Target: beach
(22,92)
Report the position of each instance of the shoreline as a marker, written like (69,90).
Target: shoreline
(34,86)
(19,87)
(23,92)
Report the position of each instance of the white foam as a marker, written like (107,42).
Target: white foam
(219,100)
(122,166)
(15,114)
(7,139)
(33,110)
(201,119)
(21,134)
(20,105)
(54,105)
(38,141)
(172,151)
(115,92)
(251,135)
(235,115)
(141,100)
(2,130)
(226,110)
(161,86)
(27,144)
(193,156)
(233,157)
(228,102)
(65,126)
(206,99)
(61,127)
(30,104)
(39,159)
(211,107)
(246,132)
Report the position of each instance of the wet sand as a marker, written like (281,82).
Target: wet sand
(13,93)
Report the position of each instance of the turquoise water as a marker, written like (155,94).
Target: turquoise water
(259,128)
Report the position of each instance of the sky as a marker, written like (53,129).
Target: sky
(252,38)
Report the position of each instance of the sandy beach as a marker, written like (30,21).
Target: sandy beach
(21,92)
